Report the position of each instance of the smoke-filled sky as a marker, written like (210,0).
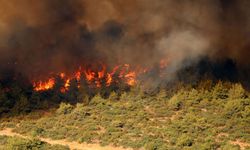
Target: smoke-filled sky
(38,37)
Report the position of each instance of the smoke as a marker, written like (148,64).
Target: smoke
(180,46)
(40,37)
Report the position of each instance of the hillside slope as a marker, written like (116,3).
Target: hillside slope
(213,118)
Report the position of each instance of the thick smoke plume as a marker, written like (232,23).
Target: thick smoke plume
(40,37)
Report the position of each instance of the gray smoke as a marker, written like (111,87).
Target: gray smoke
(40,37)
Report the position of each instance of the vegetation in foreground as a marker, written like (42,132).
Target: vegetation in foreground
(207,117)
(17,143)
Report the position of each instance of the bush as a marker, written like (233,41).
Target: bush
(22,144)
(205,85)
(64,109)
(15,143)
(37,131)
(126,96)
(162,95)
(237,92)
(184,140)
(156,144)
(229,146)
(175,102)
(80,112)
(151,146)
(220,91)
(83,96)
(193,97)
(97,99)
(237,107)
(246,112)
(22,105)
(113,96)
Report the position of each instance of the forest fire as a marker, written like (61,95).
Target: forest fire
(93,78)
(41,86)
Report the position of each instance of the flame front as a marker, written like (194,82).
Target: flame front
(131,78)
(42,86)
(95,79)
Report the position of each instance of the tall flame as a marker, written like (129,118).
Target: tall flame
(96,78)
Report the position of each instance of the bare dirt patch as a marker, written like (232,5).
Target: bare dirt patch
(242,145)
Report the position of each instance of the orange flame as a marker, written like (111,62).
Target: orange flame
(131,78)
(43,86)
(109,79)
(96,78)
(89,75)
(78,75)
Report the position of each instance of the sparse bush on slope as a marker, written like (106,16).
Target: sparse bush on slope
(190,119)
(64,109)
(16,143)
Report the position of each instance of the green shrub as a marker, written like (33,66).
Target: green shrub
(83,98)
(37,132)
(209,143)
(64,109)
(236,107)
(22,105)
(151,146)
(229,146)
(87,137)
(97,99)
(16,143)
(237,92)
(205,85)
(126,96)
(246,112)
(193,97)
(184,140)
(3,140)
(175,103)
(162,95)
(220,91)
(80,111)
(155,144)
(113,96)
(22,144)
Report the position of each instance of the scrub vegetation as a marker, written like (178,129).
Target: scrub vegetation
(207,116)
